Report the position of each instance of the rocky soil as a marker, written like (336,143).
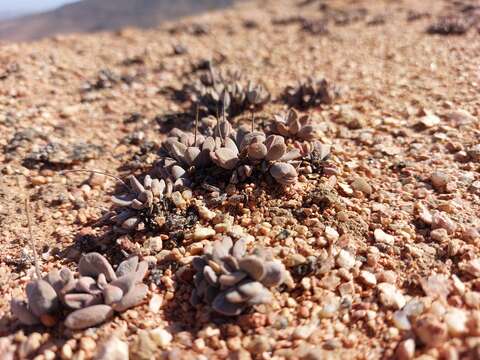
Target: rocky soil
(382,247)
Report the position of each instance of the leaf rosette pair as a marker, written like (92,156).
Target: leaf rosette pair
(91,297)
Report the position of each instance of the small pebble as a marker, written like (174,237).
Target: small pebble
(368,278)
(161,337)
(442,221)
(430,330)
(390,296)
(456,321)
(439,180)
(406,350)
(202,233)
(383,237)
(345,259)
(360,184)
(155,303)
(113,349)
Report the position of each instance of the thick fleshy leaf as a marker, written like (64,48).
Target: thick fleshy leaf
(93,264)
(142,270)
(156,188)
(234,296)
(276,147)
(225,129)
(87,284)
(79,301)
(177,172)
(133,298)
(250,288)
(112,294)
(191,155)
(284,173)
(225,158)
(88,317)
(137,204)
(209,144)
(230,144)
(42,298)
(291,155)
(20,310)
(253,266)
(137,187)
(230,263)
(224,307)
(239,248)
(210,275)
(227,280)
(126,282)
(53,278)
(274,274)
(252,137)
(127,266)
(176,149)
(257,151)
(262,297)
(198,263)
(121,201)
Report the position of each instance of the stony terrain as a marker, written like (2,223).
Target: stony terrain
(382,247)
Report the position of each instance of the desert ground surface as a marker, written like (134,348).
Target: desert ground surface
(382,247)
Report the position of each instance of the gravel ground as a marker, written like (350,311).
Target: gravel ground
(382,248)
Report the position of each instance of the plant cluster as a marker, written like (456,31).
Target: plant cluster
(308,93)
(215,91)
(230,280)
(90,297)
(239,154)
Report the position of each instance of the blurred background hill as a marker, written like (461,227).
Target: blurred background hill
(94,15)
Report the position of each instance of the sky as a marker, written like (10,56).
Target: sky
(30,6)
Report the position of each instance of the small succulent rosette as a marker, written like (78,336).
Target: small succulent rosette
(91,297)
(296,126)
(143,202)
(309,93)
(216,91)
(230,280)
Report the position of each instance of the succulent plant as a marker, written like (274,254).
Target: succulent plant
(230,280)
(309,93)
(215,92)
(141,204)
(293,125)
(239,152)
(90,297)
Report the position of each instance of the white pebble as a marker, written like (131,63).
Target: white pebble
(113,349)
(368,278)
(202,233)
(383,237)
(345,260)
(390,296)
(155,303)
(161,337)
(456,321)
(406,350)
